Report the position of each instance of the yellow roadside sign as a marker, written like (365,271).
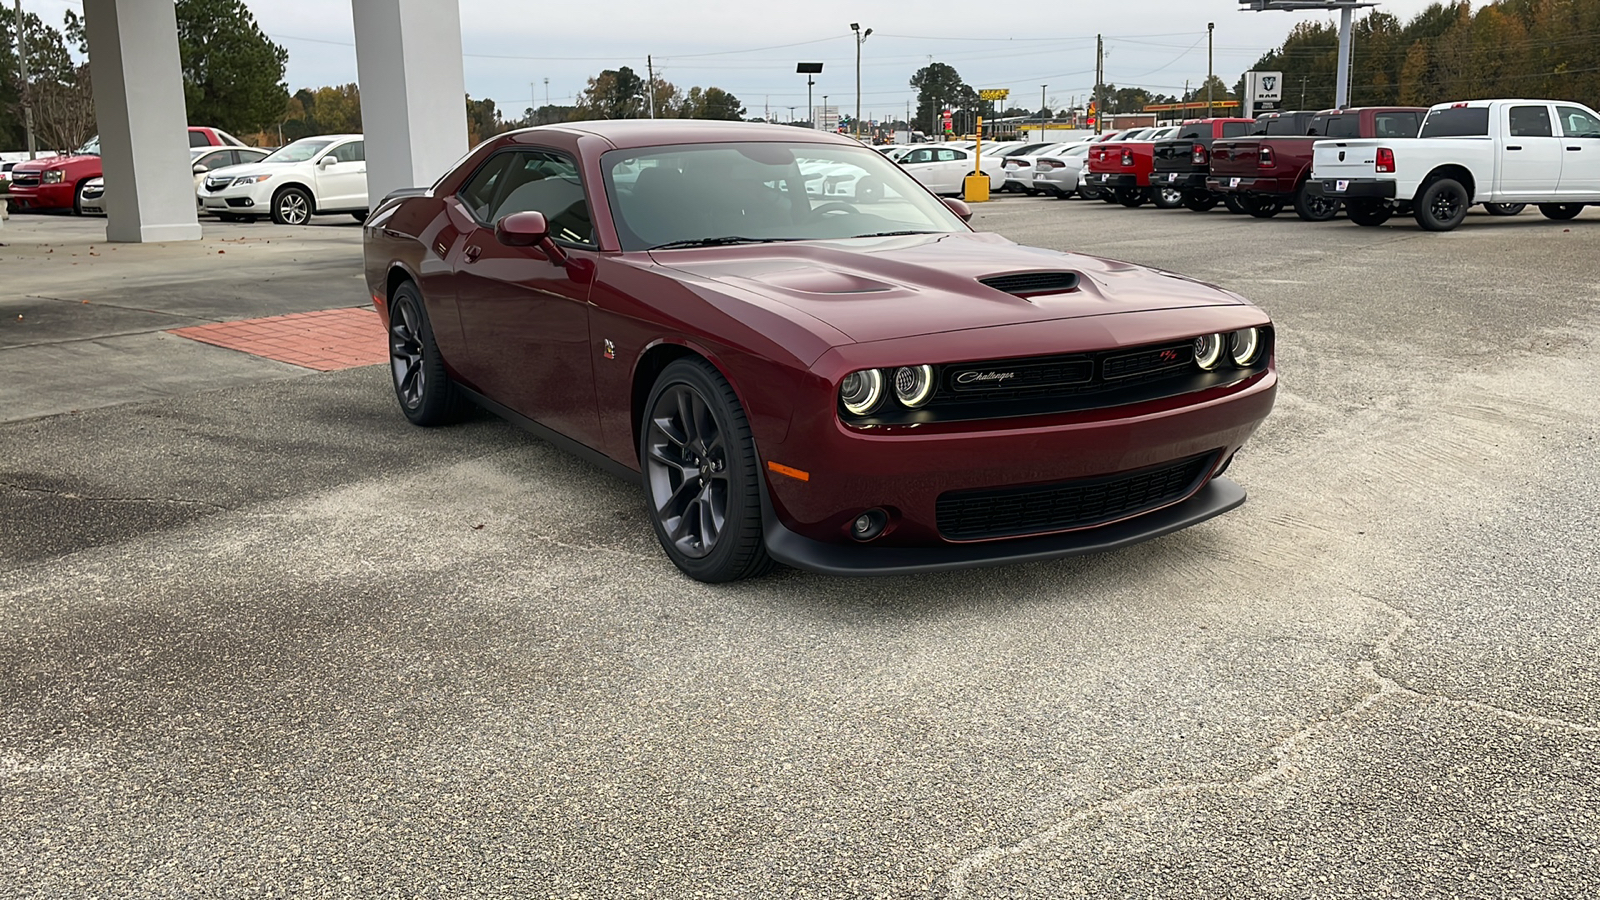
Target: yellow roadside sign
(994,94)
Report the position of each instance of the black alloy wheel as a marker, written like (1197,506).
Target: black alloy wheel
(427,395)
(700,475)
(1166,197)
(1089,193)
(1131,197)
(1262,206)
(1368,212)
(1314,207)
(1199,201)
(1442,205)
(1235,203)
(291,206)
(1560,212)
(1505,209)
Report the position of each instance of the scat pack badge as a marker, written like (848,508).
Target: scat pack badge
(611,350)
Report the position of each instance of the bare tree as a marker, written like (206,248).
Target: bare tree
(64,110)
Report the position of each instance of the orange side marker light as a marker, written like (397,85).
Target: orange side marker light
(790,471)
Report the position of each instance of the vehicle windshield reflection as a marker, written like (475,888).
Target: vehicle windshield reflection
(759,192)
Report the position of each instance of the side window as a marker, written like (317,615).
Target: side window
(540,181)
(1530,121)
(355,151)
(198,139)
(250,156)
(1235,129)
(1576,122)
(1397,125)
(918,156)
(1344,126)
(1191,134)
(478,195)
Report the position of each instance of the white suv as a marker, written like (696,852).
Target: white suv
(312,176)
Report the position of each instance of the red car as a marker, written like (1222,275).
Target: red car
(58,182)
(855,383)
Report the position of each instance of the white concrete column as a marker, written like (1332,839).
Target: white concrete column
(413,92)
(138,103)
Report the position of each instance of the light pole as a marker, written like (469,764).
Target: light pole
(808,70)
(824,116)
(861,38)
(1042,108)
(1211,27)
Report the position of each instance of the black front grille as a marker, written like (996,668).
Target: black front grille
(24,179)
(1024,283)
(1082,503)
(1144,362)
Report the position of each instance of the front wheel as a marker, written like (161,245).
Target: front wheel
(291,206)
(1089,193)
(1130,197)
(1560,211)
(1262,206)
(1235,203)
(700,475)
(1442,205)
(1314,207)
(1505,209)
(427,395)
(1167,198)
(1368,212)
(1062,195)
(77,198)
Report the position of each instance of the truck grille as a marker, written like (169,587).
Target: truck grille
(1067,505)
(24,179)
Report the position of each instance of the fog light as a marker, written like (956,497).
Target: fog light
(869,524)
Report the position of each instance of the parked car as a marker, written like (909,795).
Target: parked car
(202,160)
(1272,170)
(1183,161)
(1501,153)
(846,388)
(312,176)
(1018,167)
(91,200)
(943,169)
(1059,172)
(1122,168)
(58,183)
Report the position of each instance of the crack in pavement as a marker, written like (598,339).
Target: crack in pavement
(69,495)
(1284,752)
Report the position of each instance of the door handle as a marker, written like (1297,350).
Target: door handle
(472,253)
(1574,148)
(1514,148)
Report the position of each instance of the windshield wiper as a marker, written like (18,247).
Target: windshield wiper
(719,242)
(896,233)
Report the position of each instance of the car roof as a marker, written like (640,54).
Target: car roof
(626,133)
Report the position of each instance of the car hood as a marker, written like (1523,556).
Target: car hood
(874,289)
(255,168)
(53,162)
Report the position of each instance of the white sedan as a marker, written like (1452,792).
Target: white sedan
(1059,172)
(312,176)
(202,159)
(943,169)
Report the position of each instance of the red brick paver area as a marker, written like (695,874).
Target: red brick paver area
(325,340)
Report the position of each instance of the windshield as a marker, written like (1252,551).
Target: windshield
(92,148)
(299,151)
(763,191)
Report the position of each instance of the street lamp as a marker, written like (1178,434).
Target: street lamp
(808,70)
(1341,97)
(861,38)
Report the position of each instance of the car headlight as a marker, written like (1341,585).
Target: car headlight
(250,179)
(1208,351)
(53,176)
(1245,345)
(913,385)
(861,391)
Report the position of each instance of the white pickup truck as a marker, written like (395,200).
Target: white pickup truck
(1501,153)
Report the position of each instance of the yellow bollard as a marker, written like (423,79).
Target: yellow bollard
(975,187)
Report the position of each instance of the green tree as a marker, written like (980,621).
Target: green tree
(939,88)
(711,103)
(613,94)
(63,103)
(232,73)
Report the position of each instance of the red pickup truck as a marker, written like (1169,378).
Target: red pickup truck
(1268,169)
(57,182)
(1121,169)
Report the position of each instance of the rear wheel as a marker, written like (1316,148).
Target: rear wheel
(1166,197)
(1089,193)
(1062,195)
(427,395)
(1262,206)
(1130,197)
(1199,201)
(1235,203)
(1314,207)
(1442,205)
(1505,209)
(701,479)
(1368,212)
(1560,211)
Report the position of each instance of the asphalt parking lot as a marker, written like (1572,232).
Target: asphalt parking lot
(260,637)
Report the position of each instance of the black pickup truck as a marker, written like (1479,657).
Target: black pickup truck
(1183,162)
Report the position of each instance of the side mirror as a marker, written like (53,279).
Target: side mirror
(200,169)
(326,161)
(529,229)
(961,209)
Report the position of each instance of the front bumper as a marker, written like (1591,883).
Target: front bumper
(1245,184)
(42,196)
(1351,188)
(243,200)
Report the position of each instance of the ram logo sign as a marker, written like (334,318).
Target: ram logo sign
(1265,87)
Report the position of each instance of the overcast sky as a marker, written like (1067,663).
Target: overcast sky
(750,48)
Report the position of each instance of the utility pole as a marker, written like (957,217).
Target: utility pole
(1099,84)
(1041,110)
(861,38)
(546,100)
(27,88)
(650,86)
(1211,28)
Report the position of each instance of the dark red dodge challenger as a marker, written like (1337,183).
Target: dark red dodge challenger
(805,357)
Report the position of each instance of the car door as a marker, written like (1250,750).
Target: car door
(950,166)
(525,319)
(1530,153)
(341,177)
(1580,154)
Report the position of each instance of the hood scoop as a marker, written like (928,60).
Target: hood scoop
(1033,284)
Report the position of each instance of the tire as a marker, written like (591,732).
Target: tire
(1560,211)
(699,461)
(227,217)
(1505,209)
(1089,193)
(1235,203)
(427,395)
(1031,192)
(1441,205)
(360,216)
(1262,206)
(1314,207)
(77,198)
(1368,212)
(1062,195)
(1132,198)
(291,206)
(1199,201)
(1166,197)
